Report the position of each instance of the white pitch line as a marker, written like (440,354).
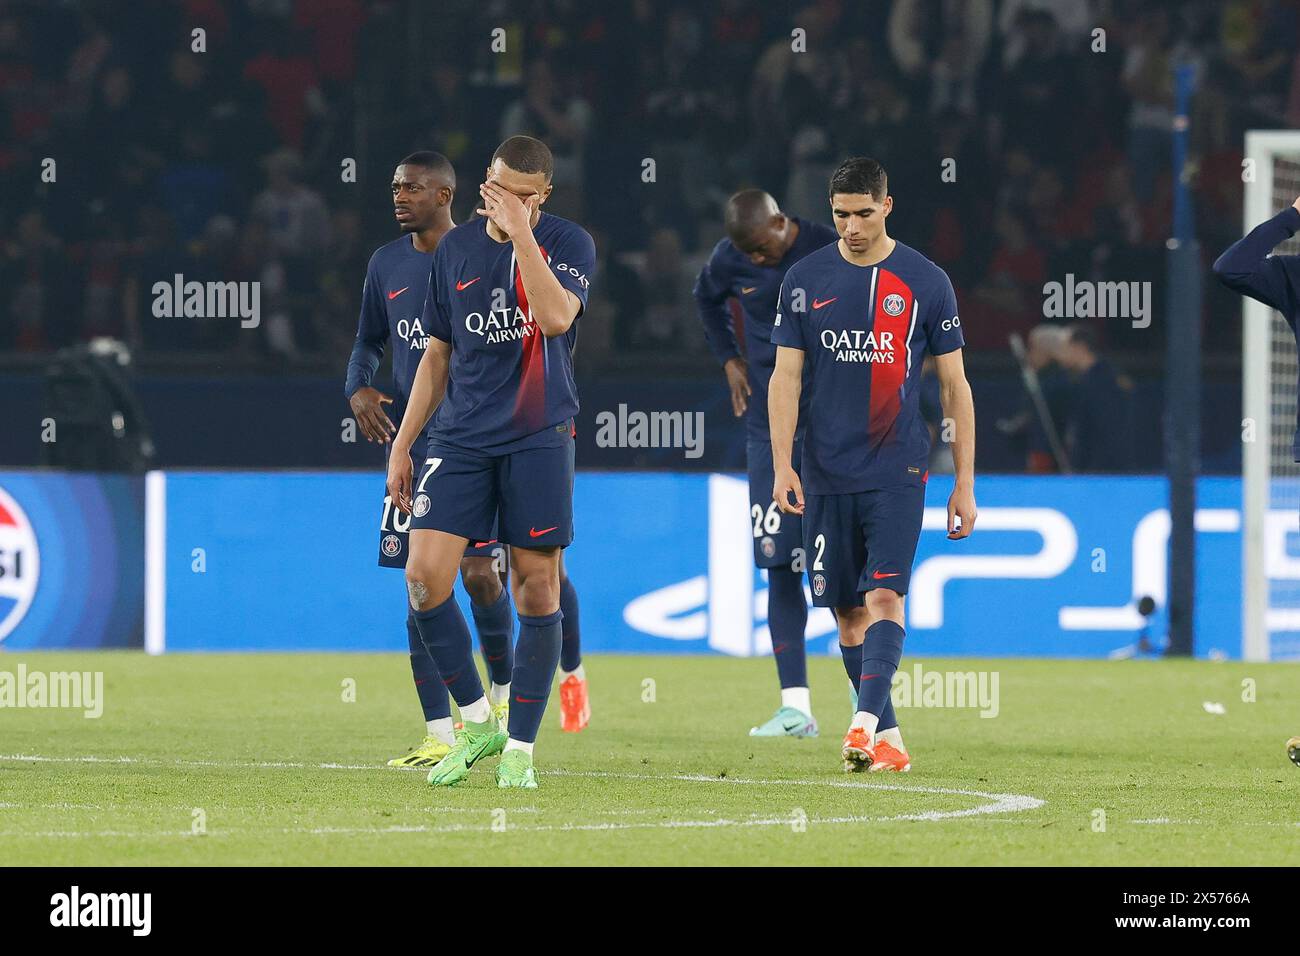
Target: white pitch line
(998,802)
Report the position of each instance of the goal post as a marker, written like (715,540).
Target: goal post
(1270,491)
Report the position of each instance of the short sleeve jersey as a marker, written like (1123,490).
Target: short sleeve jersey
(865,332)
(509,386)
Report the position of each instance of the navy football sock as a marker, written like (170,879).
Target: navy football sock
(428,683)
(446,635)
(571,646)
(881,652)
(888,721)
(496,634)
(787,615)
(852,663)
(536,656)
(853,667)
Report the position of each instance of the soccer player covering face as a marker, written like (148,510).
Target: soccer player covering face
(391,301)
(504,293)
(748,265)
(861,316)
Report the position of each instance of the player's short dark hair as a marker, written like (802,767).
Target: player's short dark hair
(1084,335)
(524,154)
(434,162)
(863,176)
(747,212)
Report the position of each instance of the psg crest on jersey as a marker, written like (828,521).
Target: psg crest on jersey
(420,507)
(392,545)
(894,303)
(819,584)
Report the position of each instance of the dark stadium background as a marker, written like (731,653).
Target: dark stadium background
(1063,159)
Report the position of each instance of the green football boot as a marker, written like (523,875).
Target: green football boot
(473,743)
(515,771)
(426,754)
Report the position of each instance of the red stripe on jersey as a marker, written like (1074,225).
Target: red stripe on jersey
(530,401)
(888,378)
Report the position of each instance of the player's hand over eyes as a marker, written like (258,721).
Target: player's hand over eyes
(399,479)
(787,483)
(738,382)
(511,214)
(368,406)
(961,504)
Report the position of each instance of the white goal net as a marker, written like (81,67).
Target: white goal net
(1270,478)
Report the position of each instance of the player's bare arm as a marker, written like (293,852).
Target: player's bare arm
(737,372)
(783,416)
(959,407)
(552,306)
(426,392)
(368,407)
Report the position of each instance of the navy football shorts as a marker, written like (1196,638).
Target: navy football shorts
(395,528)
(524,498)
(776,535)
(858,542)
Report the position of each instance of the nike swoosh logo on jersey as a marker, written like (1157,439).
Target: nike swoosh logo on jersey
(534,533)
(394,295)
(818,303)
(462,286)
(747,289)
(881,575)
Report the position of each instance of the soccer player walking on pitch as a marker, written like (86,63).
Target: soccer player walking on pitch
(748,265)
(862,314)
(391,299)
(504,293)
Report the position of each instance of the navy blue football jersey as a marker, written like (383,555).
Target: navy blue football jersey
(392,299)
(865,331)
(729,273)
(509,387)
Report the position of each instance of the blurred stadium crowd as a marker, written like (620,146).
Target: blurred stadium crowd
(227,164)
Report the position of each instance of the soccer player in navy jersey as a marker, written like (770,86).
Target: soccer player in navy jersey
(1249,268)
(861,315)
(505,291)
(748,265)
(391,299)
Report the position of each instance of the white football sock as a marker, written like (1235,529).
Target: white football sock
(893,738)
(866,721)
(577,672)
(442,728)
(498,693)
(477,712)
(797,697)
(513,744)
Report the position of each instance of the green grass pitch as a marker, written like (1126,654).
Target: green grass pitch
(258,759)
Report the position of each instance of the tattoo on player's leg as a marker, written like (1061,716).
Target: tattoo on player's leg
(418,592)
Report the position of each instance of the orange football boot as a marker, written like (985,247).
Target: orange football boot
(889,757)
(858,751)
(575,708)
